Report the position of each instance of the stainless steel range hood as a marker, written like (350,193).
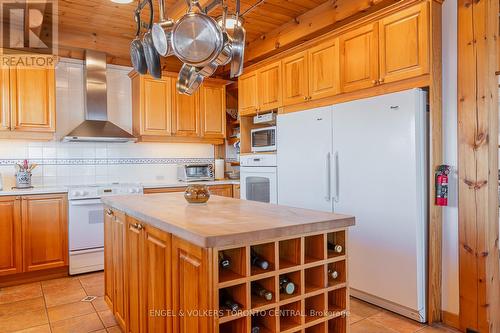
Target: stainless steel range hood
(96,127)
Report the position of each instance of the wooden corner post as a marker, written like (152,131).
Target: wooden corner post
(478,165)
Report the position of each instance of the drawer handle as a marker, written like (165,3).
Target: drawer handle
(138,226)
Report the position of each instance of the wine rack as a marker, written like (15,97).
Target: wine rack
(319,302)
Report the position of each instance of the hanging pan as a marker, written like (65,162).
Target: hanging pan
(238,47)
(162,32)
(152,57)
(136,50)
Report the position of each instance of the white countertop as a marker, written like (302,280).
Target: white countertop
(64,189)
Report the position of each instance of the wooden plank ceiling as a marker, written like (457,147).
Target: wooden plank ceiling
(107,26)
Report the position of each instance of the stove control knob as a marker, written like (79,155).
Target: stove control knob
(77,193)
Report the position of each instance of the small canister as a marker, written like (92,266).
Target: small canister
(23,179)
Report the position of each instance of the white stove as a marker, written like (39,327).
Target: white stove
(86,223)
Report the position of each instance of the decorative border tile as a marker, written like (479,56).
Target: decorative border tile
(108,161)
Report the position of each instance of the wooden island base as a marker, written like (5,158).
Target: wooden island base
(159,282)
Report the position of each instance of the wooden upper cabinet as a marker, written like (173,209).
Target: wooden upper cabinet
(32,92)
(295,78)
(269,85)
(186,115)
(359,58)
(4,100)
(248,101)
(11,259)
(191,286)
(324,70)
(213,110)
(156,113)
(45,232)
(404,44)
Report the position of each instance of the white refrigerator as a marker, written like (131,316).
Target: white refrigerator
(366,158)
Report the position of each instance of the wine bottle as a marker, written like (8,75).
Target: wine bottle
(286,286)
(259,290)
(335,247)
(255,329)
(333,274)
(258,261)
(224,262)
(227,302)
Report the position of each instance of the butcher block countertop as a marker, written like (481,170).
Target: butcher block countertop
(224,221)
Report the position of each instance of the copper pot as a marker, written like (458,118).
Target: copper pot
(197,194)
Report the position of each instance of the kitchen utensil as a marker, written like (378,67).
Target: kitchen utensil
(189,79)
(238,45)
(197,39)
(197,194)
(136,49)
(152,57)
(162,33)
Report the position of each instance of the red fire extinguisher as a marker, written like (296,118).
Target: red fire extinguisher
(442,185)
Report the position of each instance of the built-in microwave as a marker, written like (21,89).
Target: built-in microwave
(263,139)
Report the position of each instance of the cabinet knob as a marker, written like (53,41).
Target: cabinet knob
(309,98)
(381,80)
(305,98)
(138,226)
(109,212)
(18,198)
(375,82)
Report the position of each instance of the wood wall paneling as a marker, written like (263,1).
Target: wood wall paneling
(478,165)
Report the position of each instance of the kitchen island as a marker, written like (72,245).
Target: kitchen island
(171,266)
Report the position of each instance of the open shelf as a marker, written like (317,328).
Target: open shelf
(314,307)
(266,321)
(270,285)
(336,238)
(337,325)
(314,278)
(264,251)
(320,328)
(234,326)
(294,277)
(290,316)
(340,268)
(337,302)
(237,268)
(237,294)
(314,248)
(289,253)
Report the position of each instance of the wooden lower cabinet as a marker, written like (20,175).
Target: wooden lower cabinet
(119,294)
(133,276)
(221,190)
(236,191)
(11,259)
(108,257)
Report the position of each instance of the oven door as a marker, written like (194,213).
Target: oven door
(259,184)
(86,224)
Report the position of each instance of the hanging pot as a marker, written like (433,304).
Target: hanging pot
(189,79)
(152,57)
(136,50)
(238,46)
(197,39)
(162,33)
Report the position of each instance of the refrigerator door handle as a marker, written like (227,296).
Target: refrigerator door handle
(328,177)
(337,178)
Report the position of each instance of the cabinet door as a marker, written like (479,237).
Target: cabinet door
(156,266)
(222,190)
(156,115)
(213,111)
(295,78)
(133,277)
(359,58)
(248,100)
(191,286)
(108,256)
(33,99)
(186,115)
(4,100)
(404,44)
(11,259)
(324,78)
(45,232)
(236,191)
(119,297)
(269,84)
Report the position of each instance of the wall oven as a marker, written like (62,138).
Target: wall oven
(263,139)
(258,178)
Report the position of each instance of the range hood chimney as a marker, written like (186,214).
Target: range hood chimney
(96,127)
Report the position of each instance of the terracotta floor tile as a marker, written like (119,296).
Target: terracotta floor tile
(65,311)
(100,304)
(28,305)
(114,329)
(83,324)
(38,329)
(64,294)
(437,329)
(107,318)
(368,326)
(20,293)
(62,282)
(94,290)
(363,309)
(23,320)
(92,278)
(397,323)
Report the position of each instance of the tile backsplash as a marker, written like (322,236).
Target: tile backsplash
(88,163)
